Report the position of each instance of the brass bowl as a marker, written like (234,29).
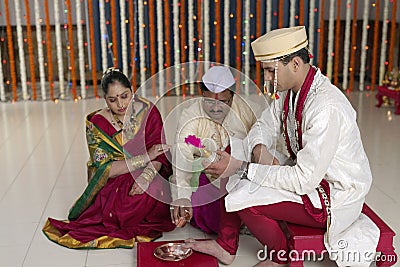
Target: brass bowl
(172,252)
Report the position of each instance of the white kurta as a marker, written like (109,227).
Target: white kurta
(215,136)
(332,148)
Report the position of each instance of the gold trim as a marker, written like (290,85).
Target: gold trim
(102,242)
(271,54)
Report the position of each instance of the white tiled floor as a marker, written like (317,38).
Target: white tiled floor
(42,162)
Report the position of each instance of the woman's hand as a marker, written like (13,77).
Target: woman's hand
(155,151)
(181,212)
(139,186)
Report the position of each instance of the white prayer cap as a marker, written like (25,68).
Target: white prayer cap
(218,79)
(280,42)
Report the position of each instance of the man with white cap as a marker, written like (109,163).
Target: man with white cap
(215,119)
(329,176)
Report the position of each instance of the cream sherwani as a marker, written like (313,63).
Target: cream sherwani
(215,136)
(332,148)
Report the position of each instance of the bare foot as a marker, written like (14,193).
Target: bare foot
(210,247)
(269,263)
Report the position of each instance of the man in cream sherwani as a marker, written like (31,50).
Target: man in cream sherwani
(328,176)
(219,119)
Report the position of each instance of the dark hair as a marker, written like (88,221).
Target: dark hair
(204,88)
(112,75)
(302,53)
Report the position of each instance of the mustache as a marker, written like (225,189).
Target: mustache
(216,111)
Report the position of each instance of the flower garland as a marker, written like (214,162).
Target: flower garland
(268,12)
(81,50)
(21,53)
(346,45)
(246,46)
(183,41)
(337,45)
(375,45)
(175,12)
(217,28)
(124,38)
(392,36)
(40,50)
(160,50)
(311,29)
(258,33)
(152,43)
(301,12)
(238,44)
(226,32)
(281,13)
(364,47)
(104,35)
(384,42)
(11,52)
(48,49)
(191,45)
(142,56)
(330,38)
(30,49)
(353,45)
(200,28)
(114,45)
(292,12)
(92,48)
(71,49)
(167,43)
(321,34)
(2,90)
(60,63)
(206,43)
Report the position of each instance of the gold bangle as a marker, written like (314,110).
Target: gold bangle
(137,162)
(148,174)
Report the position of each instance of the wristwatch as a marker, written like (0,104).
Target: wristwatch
(243,170)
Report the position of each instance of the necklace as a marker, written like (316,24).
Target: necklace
(130,127)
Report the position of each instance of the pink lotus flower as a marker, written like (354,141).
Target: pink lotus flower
(194,141)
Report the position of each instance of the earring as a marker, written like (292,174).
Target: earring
(108,109)
(274,95)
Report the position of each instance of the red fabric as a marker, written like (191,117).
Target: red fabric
(206,206)
(116,214)
(230,222)
(263,223)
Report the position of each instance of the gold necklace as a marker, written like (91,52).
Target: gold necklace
(115,120)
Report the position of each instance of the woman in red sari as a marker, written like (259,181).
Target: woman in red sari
(127,197)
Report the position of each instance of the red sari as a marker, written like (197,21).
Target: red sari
(105,216)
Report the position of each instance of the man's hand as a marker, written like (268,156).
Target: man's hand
(224,167)
(262,156)
(181,211)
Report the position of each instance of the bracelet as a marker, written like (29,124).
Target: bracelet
(148,174)
(137,162)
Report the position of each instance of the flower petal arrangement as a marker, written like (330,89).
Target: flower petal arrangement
(194,141)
